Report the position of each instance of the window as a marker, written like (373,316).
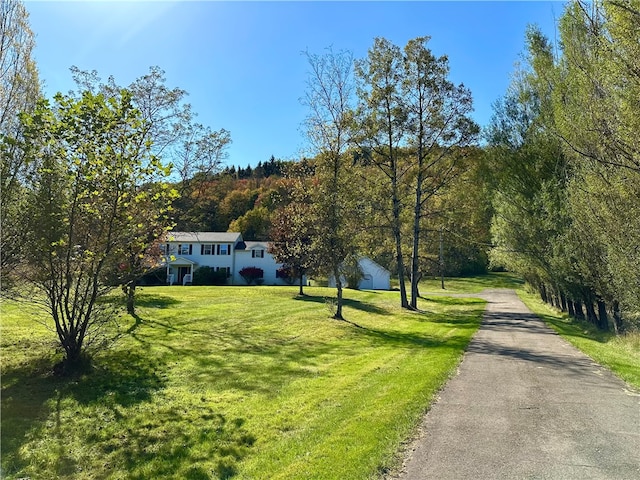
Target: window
(224,249)
(184,249)
(206,249)
(258,253)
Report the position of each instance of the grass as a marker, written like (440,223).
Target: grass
(232,382)
(621,354)
(468,285)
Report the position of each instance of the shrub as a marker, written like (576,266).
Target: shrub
(353,273)
(155,277)
(208,276)
(287,274)
(251,274)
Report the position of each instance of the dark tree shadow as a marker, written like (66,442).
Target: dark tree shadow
(31,394)
(355,304)
(155,301)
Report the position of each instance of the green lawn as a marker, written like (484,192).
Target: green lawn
(231,382)
(474,284)
(620,354)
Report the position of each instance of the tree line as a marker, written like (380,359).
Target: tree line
(564,157)
(94,179)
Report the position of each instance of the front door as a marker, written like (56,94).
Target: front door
(182,271)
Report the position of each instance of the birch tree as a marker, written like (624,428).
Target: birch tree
(328,97)
(19,92)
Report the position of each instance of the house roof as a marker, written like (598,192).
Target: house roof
(204,237)
(181,261)
(367,264)
(249,245)
(257,244)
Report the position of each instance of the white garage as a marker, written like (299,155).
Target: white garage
(374,276)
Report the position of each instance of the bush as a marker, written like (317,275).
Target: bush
(353,273)
(208,276)
(287,274)
(155,277)
(251,274)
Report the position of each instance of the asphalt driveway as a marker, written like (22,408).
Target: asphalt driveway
(527,405)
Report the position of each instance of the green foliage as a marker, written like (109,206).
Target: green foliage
(95,198)
(621,354)
(209,276)
(352,272)
(200,386)
(19,92)
(566,158)
(254,225)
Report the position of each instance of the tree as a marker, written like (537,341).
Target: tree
(294,229)
(141,252)
(328,97)
(440,132)
(382,129)
(195,151)
(254,225)
(586,99)
(168,128)
(596,91)
(93,175)
(414,128)
(293,234)
(19,92)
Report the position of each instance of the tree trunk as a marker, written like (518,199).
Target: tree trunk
(618,324)
(543,293)
(73,355)
(398,239)
(416,239)
(338,314)
(603,318)
(570,309)
(403,288)
(301,292)
(577,308)
(591,312)
(563,301)
(130,292)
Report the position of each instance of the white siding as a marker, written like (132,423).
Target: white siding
(200,260)
(245,258)
(375,277)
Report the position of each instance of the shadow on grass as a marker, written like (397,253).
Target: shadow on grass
(449,301)
(150,300)
(32,396)
(347,302)
(133,432)
(191,442)
(572,327)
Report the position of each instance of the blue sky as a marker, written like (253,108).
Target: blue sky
(241,62)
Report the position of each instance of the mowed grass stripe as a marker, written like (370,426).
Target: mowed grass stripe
(232,383)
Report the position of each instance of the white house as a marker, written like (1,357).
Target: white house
(374,276)
(226,251)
